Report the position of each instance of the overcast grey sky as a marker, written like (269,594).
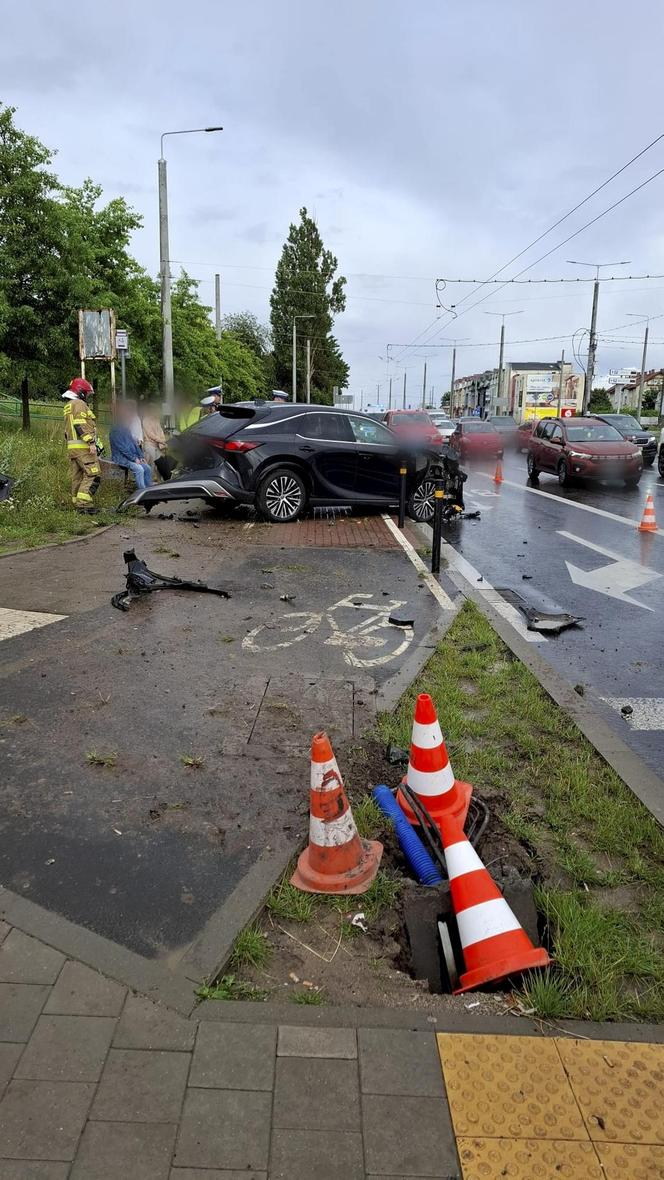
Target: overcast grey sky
(429,138)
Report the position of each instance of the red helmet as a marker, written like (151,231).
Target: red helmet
(81,387)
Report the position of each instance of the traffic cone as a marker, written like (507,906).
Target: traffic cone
(648,522)
(498,475)
(493,941)
(429,773)
(336,859)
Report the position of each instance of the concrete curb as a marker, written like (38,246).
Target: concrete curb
(58,544)
(641,780)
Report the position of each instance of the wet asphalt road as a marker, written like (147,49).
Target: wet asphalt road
(146,850)
(541,531)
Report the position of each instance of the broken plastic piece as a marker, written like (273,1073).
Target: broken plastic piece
(358,920)
(141,580)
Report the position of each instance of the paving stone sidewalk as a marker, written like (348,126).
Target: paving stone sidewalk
(100,1083)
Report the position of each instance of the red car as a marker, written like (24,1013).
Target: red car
(477,439)
(583,448)
(413,426)
(524,432)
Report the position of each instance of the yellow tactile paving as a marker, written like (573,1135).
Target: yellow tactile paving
(527,1159)
(631,1161)
(508,1087)
(619,1086)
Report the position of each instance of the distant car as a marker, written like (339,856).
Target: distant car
(632,430)
(285,459)
(507,427)
(474,438)
(524,430)
(583,448)
(444,425)
(413,426)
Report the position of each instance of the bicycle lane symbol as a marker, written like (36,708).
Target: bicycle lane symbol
(367,644)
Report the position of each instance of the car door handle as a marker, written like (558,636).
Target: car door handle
(365,455)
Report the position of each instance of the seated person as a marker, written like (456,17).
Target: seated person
(125,451)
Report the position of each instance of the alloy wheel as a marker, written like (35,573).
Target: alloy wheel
(421,504)
(283,497)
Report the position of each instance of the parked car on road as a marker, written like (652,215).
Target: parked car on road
(583,448)
(507,429)
(444,425)
(524,430)
(282,459)
(414,426)
(475,438)
(633,431)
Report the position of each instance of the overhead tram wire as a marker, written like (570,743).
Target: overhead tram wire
(550,229)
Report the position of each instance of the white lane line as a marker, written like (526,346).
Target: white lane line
(493,597)
(572,503)
(647,712)
(443,599)
(16,622)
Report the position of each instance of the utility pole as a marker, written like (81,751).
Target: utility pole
(389,400)
(217,305)
(643,360)
(308,371)
(424,386)
(592,340)
(452,381)
(165,272)
(404,389)
(294,376)
(499,391)
(165,275)
(561,383)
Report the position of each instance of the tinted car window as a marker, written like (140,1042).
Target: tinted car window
(594,432)
(327,427)
(503,424)
(478,427)
(370,432)
(555,432)
(624,422)
(545,429)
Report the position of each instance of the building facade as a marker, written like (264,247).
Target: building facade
(529,389)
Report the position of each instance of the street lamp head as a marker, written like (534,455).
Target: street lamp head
(213,129)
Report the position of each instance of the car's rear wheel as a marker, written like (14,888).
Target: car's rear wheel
(564,478)
(420,502)
(533,473)
(281,496)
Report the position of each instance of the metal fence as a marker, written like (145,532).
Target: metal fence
(11,408)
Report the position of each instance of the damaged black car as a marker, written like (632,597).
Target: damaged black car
(285,459)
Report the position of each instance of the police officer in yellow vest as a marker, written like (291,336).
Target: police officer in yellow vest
(82,445)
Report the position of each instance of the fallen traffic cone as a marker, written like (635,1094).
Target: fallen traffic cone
(336,859)
(493,941)
(429,773)
(498,475)
(648,522)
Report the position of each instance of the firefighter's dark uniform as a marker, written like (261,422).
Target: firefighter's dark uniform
(81,435)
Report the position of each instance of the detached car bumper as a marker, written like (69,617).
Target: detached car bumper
(213,486)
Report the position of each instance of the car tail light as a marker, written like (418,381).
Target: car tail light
(232,444)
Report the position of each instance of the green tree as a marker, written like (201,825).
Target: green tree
(306,283)
(200,360)
(248,328)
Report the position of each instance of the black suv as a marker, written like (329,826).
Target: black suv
(284,458)
(632,430)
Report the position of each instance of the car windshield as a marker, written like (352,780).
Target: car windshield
(593,432)
(441,420)
(477,427)
(407,419)
(503,424)
(625,422)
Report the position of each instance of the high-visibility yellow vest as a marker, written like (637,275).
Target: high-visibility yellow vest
(80,426)
(189,417)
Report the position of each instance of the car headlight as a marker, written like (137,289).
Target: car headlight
(651,438)
(580,455)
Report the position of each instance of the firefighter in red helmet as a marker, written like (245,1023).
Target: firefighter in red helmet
(82,444)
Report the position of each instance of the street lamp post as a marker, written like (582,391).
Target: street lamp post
(639,404)
(165,275)
(295,319)
(502,315)
(592,340)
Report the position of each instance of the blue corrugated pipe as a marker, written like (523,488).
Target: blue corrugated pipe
(425,869)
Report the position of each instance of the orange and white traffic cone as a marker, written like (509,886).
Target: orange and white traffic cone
(430,775)
(493,941)
(336,860)
(498,474)
(648,522)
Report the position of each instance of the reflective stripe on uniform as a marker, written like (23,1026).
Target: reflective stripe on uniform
(77,446)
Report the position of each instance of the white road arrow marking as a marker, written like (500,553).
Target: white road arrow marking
(616,579)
